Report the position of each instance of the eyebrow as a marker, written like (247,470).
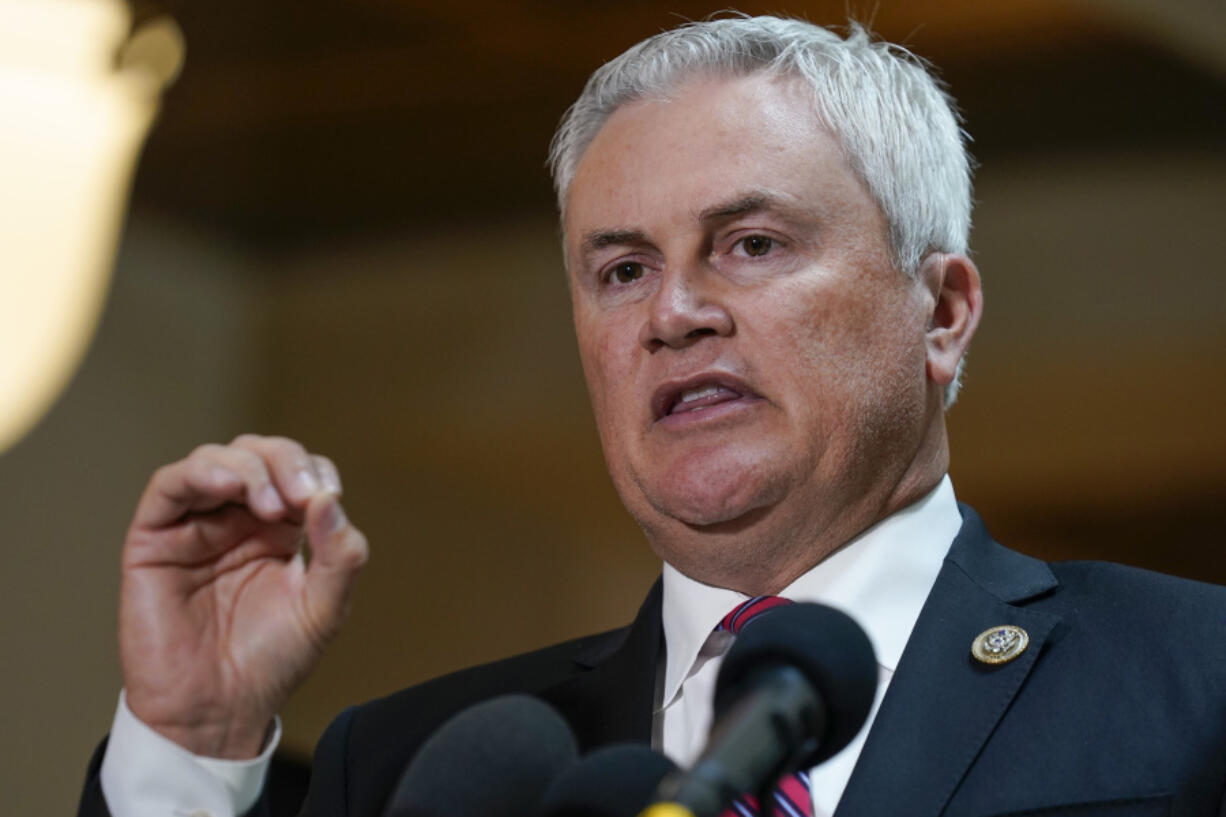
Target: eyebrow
(600,239)
(751,203)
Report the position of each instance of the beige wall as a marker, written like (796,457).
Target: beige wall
(439,370)
(1092,419)
(1105,292)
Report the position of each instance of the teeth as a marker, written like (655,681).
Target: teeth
(696,394)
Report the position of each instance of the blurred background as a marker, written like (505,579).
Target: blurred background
(342,230)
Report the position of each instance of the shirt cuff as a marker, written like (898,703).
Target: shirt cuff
(145,774)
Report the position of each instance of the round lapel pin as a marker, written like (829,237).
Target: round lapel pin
(1000,645)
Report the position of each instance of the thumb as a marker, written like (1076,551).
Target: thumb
(338,551)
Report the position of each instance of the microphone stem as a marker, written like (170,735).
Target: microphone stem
(762,737)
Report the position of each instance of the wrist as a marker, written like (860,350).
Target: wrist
(223,736)
(221,741)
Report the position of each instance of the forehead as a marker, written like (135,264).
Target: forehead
(709,140)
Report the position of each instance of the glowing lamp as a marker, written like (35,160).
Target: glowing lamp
(78,92)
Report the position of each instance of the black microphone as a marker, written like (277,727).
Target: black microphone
(794,689)
(615,781)
(495,759)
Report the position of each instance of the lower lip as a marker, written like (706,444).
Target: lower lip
(708,414)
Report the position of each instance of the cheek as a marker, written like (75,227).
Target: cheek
(849,344)
(604,372)
(822,331)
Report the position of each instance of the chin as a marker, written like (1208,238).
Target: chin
(706,493)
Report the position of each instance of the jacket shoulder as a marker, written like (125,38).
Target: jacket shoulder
(1122,590)
(1141,638)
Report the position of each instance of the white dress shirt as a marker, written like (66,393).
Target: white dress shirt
(881,578)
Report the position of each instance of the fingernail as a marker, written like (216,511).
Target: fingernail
(269,499)
(331,482)
(334,518)
(305,484)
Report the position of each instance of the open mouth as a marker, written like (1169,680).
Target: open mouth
(697,395)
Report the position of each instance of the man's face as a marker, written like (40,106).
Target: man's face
(753,356)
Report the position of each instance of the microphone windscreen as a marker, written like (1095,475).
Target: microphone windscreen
(495,759)
(615,781)
(827,646)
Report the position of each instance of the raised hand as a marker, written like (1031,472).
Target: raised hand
(221,615)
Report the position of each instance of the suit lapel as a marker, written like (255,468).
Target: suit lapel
(942,705)
(611,700)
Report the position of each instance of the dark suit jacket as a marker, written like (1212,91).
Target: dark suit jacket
(1118,706)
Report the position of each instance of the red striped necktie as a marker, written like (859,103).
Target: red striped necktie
(790,797)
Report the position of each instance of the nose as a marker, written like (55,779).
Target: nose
(682,311)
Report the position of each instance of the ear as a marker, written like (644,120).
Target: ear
(952,282)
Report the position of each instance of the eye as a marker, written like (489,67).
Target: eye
(626,272)
(756,245)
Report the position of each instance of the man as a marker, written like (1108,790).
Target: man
(766,240)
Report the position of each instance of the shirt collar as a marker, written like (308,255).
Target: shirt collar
(881,578)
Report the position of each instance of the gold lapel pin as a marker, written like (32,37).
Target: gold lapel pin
(999,645)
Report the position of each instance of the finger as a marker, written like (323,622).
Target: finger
(293,469)
(338,552)
(206,479)
(219,541)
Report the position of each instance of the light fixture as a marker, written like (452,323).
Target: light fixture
(78,93)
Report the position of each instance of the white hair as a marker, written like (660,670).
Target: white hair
(898,128)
